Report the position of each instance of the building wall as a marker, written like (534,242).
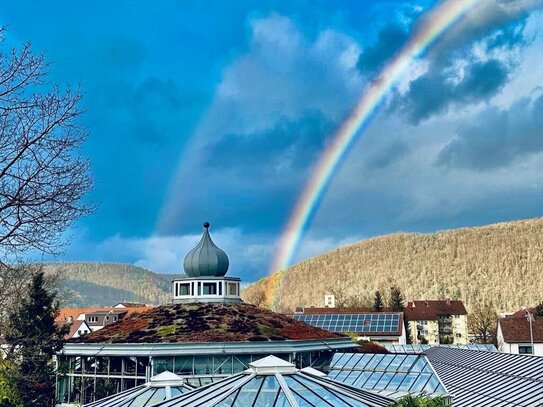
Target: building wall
(453,327)
(515,347)
(460,329)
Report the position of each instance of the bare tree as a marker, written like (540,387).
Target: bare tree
(42,176)
(255,295)
(483,323)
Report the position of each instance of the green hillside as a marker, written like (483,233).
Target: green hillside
(102,284)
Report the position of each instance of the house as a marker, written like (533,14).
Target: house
(386,328)
(521,333)
(92,319)
(437,321)
(78,328)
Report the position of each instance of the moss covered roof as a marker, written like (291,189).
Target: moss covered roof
(205,322)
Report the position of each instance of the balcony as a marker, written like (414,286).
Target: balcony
(445,319)
(445,330)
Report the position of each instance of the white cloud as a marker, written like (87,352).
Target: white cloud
(284,74)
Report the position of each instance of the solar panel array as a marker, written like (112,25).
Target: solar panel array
(392,374)
(358,323)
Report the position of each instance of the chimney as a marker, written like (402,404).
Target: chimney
(426,302)
(448,301)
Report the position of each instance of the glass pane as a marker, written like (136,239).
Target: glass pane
(362,379)
(115,365)
(408,381)
(161,364)
(183,365)
(129,366)
(363,361)
(101,365)
(141,366)
(159,395)
(228,402)
(372,381)
(89,364)
(222,365)
(248,392)
(203,365)
(268,392)
(240,363)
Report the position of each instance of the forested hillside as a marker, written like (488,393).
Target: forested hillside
(103,284)
(501,263)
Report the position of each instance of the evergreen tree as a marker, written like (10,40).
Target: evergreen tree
(34,339)
(408,338)
(538,312)
(396,303)
(378,305)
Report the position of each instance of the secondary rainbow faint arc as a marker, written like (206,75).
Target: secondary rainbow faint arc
(438,20)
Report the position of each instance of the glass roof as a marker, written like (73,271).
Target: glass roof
(272,382)
(424,348)
(359,323)
(161,387)
(391,374)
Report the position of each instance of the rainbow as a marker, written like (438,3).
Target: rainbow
(438,20)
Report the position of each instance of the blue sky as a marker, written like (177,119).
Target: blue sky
(213,110)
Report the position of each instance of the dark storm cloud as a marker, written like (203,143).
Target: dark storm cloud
(497,25)
(390,39)
(435,91)
(252,180)
(390,153)
(497,137)
(294,143)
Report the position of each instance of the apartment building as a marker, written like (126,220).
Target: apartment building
(437,322)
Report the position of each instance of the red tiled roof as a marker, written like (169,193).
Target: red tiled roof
(516,328)
(429,310)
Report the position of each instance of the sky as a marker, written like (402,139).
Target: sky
(218,111)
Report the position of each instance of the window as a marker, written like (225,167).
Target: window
(114,319)
(184,289)
(92,319)
(232,289)
(458,335)
(525,349)
(210,288)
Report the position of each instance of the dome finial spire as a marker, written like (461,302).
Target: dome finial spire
(206,259)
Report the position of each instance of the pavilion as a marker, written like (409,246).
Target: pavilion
(206,334)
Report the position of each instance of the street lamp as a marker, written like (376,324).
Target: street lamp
(529,316)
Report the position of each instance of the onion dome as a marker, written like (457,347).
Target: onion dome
(206,259)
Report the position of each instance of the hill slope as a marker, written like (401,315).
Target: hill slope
(502,263)
(104,284)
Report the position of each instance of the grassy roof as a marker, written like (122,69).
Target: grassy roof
(205,322)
